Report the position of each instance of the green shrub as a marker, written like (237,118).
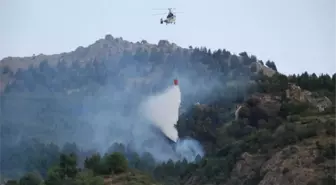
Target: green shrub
(329,151)
(31,179)
(306,131)
(116,162)
(87,178)
(293,108)
(94,163)
(258,140)
(294,118)
(11,182)
(330,127)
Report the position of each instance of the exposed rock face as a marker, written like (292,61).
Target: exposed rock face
(295,93)
(271,104)
(265,70)
(246,170)
(295,165)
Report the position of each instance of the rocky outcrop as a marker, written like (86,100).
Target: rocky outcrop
(263,69)
(271,104)
(297,165)
(247,169)
(295,93)
(293,165)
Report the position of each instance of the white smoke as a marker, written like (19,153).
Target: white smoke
(162,111)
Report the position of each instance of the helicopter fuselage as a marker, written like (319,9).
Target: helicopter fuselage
(169,20)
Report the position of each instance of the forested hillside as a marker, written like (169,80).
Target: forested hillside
(73,118)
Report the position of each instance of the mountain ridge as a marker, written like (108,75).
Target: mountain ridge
(87,105)
(107,48)
(108,45)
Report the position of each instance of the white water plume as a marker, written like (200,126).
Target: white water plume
(162,111)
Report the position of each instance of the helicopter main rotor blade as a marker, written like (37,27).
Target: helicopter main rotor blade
(160,14)
(163,8)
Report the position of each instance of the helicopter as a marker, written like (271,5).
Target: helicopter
(170,19)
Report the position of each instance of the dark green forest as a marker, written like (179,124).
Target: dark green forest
(46,118)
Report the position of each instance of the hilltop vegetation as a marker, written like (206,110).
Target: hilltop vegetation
(58,113)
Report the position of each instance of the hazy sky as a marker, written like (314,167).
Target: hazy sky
(298,35)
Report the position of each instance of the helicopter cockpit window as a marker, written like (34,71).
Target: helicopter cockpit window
(170,15)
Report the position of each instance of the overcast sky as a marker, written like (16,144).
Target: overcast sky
(298,35)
